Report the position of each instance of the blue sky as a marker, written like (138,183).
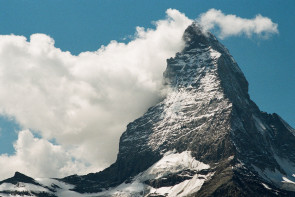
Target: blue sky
(79,26)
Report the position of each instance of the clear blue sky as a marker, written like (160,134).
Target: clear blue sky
(85,25)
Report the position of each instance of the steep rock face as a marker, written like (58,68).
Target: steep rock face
(195,116)
(208,112)
(206,138)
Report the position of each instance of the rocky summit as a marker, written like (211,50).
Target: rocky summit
(205,138)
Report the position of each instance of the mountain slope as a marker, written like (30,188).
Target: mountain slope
(206,138)
(207,111)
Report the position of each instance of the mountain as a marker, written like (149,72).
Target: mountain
(206,138)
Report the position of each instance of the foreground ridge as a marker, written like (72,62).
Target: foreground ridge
(206,138)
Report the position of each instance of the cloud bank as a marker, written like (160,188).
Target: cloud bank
(232,25)
(39,157)
(83,103)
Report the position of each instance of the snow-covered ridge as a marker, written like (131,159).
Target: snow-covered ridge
(172,164)
(43,187)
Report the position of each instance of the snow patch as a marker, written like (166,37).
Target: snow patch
(266,186)
(172,163)
(182,189)
(62,189)
(22,187)
(259,125)
(134,189)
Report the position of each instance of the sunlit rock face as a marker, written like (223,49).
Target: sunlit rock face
(205,138)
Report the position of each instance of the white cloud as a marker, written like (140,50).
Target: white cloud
(232,25)
(84,102)
(38,157)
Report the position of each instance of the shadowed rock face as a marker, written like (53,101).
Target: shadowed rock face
(207,114)
(19,177)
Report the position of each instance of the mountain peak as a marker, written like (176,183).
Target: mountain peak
(19,177)
(196,37)
(206,138)
(18,174)
(205,62)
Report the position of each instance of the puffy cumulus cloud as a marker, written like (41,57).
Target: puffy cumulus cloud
(232,25)
(38,157)
(84,102)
